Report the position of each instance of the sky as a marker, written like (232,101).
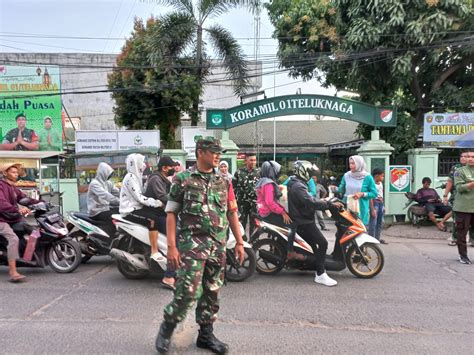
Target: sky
(112,21)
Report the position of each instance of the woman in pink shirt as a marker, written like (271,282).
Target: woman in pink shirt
(269,207)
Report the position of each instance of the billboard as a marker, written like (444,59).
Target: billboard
(188,143)
(30,108)
(449,130)
(105,141)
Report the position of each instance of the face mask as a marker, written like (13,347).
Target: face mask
(171,172)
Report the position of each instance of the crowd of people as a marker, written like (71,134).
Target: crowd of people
(206,199)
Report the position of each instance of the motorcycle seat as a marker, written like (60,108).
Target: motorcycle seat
(85,217)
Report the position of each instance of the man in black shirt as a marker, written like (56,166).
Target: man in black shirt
(20,138)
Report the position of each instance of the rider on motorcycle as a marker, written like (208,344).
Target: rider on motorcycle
(302,207)
(103,195)
(269,207)
(12,216)
(158,187)
(138,208)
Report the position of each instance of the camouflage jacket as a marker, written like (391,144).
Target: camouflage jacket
(201,202)
(244,184)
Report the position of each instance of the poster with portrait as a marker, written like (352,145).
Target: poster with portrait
(30,108)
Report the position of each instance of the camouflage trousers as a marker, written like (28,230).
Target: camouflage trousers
(201,280)
(247,216)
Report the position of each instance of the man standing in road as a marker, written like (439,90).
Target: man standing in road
(245,181)
(204,202)
(464,204)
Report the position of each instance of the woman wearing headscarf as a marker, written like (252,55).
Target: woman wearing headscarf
(269,207)
(359,184)
(224,169)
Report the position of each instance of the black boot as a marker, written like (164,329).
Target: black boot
(163,339)
(207,340)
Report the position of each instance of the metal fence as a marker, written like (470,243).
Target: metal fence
(445,164)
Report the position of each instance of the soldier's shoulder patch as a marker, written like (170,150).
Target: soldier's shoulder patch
(457,172)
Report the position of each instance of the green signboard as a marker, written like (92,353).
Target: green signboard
(377,116)
(30,108)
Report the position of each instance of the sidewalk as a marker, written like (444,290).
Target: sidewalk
(415,232)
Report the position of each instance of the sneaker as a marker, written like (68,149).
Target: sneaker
(160,259)
(382,241)
(464,260)
(325,280)
(452,243)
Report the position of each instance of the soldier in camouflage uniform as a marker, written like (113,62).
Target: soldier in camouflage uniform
(451,191)
(245,181)
(204,202)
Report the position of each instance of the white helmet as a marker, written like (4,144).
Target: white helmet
(304,169)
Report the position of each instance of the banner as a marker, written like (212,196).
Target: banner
(30,108)
(187,139)
(104,141)
(449,130)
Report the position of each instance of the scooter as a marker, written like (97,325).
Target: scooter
(94,237)
(353,248)
(45,244)
(132,252)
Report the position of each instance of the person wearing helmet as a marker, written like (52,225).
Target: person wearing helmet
(138,208)
(11,215)
(103,196)
(269,207)
(302,207)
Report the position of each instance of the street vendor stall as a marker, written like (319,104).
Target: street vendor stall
(86,167)
(42,173)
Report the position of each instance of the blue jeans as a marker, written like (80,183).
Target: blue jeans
(376,223)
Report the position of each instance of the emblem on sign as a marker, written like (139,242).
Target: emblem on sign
(400,179)
(386,115)
(138,140)
(216,119)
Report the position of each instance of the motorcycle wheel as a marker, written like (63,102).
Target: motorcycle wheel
(236,272)
(270,246)
(80,237)
(371,254)
(124,268)
(64,256)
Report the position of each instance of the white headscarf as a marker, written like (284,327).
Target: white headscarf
(361,168)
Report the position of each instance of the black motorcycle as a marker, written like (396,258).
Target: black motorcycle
(52,246)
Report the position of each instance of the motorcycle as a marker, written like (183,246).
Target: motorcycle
(353,248)
(94,237)
(131,249)
(46,244)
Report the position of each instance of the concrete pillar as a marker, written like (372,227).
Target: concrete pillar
(231,151)
(376,153)
(424,162)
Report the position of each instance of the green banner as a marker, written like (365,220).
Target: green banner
(30,108)
(377,116)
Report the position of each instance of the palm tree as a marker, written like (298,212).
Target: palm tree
(182,35)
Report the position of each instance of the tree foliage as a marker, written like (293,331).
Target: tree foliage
(151,95)
(185,33)
(415,54)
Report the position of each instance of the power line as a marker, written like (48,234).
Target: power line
(113,24)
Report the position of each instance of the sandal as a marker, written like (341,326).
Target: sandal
(17,279)
(168,286)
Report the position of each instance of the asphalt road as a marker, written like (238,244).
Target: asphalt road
(421,303)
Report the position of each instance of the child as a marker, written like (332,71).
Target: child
(377,208)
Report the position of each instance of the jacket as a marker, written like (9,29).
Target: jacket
(301,205)
(102,193)
(158,187)
(464,199)
(10,197)
(131,195)
(370,190)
